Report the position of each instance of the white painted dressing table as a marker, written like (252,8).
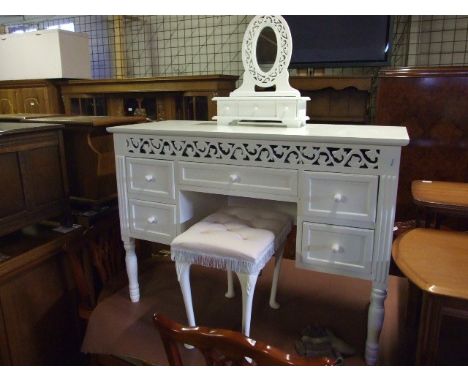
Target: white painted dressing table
(340,181)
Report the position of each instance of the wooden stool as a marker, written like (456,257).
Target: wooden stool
(437,262)
(237,239)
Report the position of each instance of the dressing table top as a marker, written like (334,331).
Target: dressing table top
(367,134)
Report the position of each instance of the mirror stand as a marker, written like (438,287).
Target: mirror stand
(282,107)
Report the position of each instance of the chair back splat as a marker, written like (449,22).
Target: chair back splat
(225,347)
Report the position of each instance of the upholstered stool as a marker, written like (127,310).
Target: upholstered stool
(237,239)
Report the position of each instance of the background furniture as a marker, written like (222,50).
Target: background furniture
(30,96)
(184,97)
(171,174)
(431,103)
(38,309)
(440,198)
(225,347)
(32,164)
(20,117)
(437,262)
(90,157)
(336,99)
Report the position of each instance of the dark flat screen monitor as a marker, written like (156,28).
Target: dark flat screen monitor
(321,41)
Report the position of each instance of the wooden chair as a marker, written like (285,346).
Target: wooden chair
(98,266)
(222,347)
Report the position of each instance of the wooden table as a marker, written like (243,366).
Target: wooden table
(436,262)
(440,198)
(22,116)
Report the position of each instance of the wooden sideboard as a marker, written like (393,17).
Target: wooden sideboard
(336,99)
(184,97)
(32,164)
(431,103)
(30,96)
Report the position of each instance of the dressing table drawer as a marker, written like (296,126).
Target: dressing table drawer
(152,221)
(339,198)
(344,249)
(149,179)
(238,179)
(251,109)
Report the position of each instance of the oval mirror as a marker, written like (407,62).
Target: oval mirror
(267,49)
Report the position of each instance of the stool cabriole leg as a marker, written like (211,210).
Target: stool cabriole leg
(131,263)
(183,276)
(247,283)
(274,285)
(230,291)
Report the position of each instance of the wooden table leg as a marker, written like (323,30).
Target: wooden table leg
(429,329)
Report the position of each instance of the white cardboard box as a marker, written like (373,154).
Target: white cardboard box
(44,54)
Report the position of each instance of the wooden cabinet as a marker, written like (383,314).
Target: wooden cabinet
(343,99)
(32,165)
(431,103)
(89,153)
(38,308)
(159,98)
(29,96)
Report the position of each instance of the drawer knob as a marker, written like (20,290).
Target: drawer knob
(152,220)
(234,178)
(338,197)
(149,178)
(336,248)
(255,108)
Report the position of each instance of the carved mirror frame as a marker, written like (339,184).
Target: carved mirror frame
(278,74)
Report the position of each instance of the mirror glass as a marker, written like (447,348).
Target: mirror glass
(266,49)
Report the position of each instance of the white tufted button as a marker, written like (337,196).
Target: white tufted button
(152,220)
(235,178)
(338,197)
(149,178)
(336,248)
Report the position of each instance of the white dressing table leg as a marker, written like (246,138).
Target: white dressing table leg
(247,283)
(374,324)
(274,285)
(131,264)
(183,276)
(230,291)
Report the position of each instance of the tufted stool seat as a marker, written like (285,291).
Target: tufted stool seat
(236,239)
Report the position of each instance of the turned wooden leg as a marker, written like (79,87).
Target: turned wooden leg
(274,285)
(247,283)
(131,263)
(230,291)
(183,275)
(374,324)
